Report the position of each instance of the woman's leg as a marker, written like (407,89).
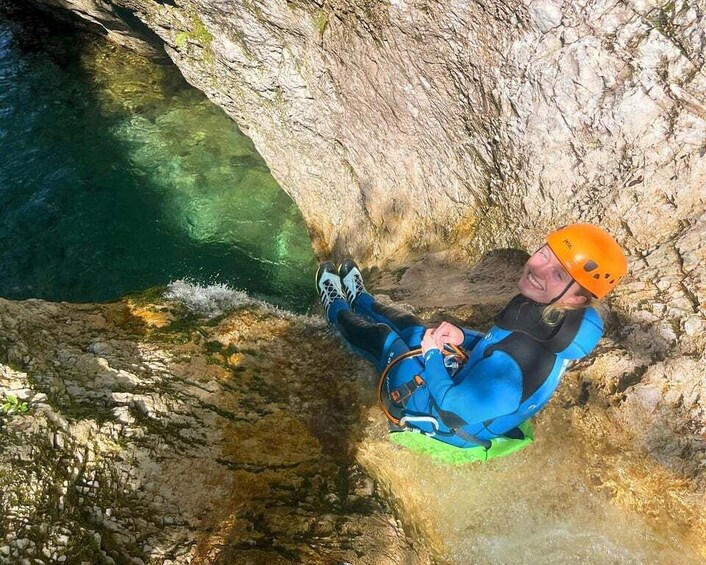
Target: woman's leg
(376,342)
(407,326)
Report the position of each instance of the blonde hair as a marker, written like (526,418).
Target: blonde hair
(553,313)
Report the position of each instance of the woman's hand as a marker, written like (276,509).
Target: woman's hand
(448,333)
(436,338)
(429,341)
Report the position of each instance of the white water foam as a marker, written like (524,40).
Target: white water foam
(213,300)
(208,301)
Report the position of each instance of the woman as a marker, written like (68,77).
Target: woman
(512,371)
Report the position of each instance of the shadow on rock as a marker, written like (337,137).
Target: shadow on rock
(180,439)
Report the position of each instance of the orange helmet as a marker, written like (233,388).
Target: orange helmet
(590,255)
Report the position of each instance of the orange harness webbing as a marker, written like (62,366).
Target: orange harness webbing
(454,350)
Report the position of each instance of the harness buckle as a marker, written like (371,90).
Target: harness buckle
(405,390)
(405,422)
(397,396)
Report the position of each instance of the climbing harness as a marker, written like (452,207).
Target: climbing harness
(454,357)
(423,441)
(400,394)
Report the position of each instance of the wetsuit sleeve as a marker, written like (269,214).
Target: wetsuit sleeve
(491,388)
(470,338)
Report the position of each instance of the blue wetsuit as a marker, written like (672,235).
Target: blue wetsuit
(511,372)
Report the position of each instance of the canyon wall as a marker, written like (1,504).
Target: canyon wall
(411,125)
(406,127)
(149,433)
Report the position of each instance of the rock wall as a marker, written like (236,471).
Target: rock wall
(410,124)
(153,436)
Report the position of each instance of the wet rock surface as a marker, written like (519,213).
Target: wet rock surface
(626,430)
(412,125)
(151,437)
(251,435)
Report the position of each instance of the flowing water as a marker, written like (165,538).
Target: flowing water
(578,495)
(116,176)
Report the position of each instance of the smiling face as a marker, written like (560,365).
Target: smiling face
(544,278)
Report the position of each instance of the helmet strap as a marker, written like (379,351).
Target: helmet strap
(563,292)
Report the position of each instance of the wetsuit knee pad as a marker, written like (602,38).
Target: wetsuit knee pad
(398,319)
(367,338)
(408,326)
